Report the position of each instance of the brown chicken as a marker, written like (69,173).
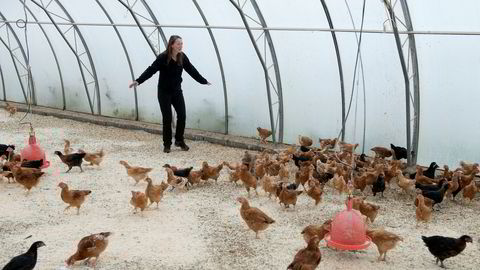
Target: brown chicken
(469,191)
(90,247)
(307,258)
(287,196)
(305,141)
(467,167)
(347,147)
(264,134)
(194,177)
(407,184)
(447,174)
(427,201)
(339,184)
(303,174)
(27,177)
(316,231)
(327,143)
(453,185)
(315,191)
(256,219)
(369,210)
(73,198)
(11,109)
(382,152)
(283,173)
(155,192)
(71,160)
(138,200)
(248,179)
(268,186)
(384,241)
(67,150)
(137,173)
(423,212)
(211,172)
(260,170)
(9,175)
(422,179)
(174,181)
(94,158)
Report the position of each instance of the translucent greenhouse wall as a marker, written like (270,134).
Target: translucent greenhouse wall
(307,66)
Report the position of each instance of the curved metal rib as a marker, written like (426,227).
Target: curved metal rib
(265,69)
(3,84)
(16,70)
(53,51)
(416,80)
(275,66)
(29,73)
(126,55)
(74,53)
(339,63)
(405,75)
(159,29)
(219,59)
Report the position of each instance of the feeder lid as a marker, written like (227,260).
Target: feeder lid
(348,230)
(34,152)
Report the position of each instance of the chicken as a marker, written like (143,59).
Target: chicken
(367,209)
(194,177)
(379,185)
(405,183)
(255,219)
(73,198)
(25,261)
(71,160)
(422,179)
(305,141)
(467,167)
(37,164)
(469,191)
(347,147)
(137,173)
(93,158)
(316,231)
(399,152)
(339,184)
(436,195)
(382,152)
(327,143)
(283,173)
(211,172)
(174,181)
(315,191)
(384,241)
(248,179)
(184,172)
(442,247)
(429,172)
(307,258)
(288,196)
(155,192)
(7,174)
(11,109)
(428,202)
(268,186)
(453,185)
(303,174)
(447,174)
(264,134)
(90,247)
(423,212)
(67,150)
(260,170)
(27,177)
(138,200)
(4,149)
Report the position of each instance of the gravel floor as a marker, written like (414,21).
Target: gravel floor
(197,229)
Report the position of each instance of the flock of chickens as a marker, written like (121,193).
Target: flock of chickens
(334,164)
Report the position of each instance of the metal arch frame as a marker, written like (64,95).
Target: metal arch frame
(276,67)
(53,51)
(20,46)
(159,29)
(391,13)
(3,84)
(264,66)
(219,59)
(77,57)
(339,63)
(126,54)
(416,79)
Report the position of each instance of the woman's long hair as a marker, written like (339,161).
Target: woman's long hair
(169,50)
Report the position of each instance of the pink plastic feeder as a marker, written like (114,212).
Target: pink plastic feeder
(348,231)
(33,151)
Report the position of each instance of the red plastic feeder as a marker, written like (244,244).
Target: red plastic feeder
(348,231)
(33,151)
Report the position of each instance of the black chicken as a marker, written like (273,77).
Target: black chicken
(4,147)
(430,172)
(179,172)
(25,261)
(71,160)
(32,163)
(436,195)
(445,247)
(379,185)
(435,187)
(297,159)
(304,148)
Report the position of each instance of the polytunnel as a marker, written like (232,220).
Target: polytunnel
(371,72)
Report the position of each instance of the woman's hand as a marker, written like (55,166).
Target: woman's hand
(133,84)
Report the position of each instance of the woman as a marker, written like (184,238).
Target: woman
(171,63)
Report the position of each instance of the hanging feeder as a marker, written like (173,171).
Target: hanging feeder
(33,151)
(348,231)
